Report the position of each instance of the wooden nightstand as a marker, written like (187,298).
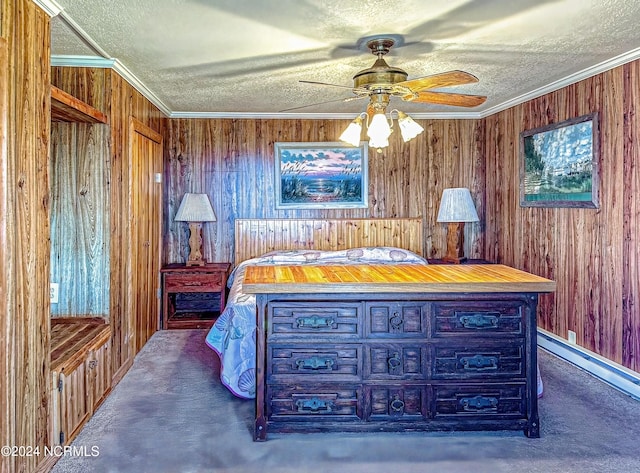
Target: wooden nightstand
(202,289)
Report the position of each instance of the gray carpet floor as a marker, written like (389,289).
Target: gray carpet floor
(171,414)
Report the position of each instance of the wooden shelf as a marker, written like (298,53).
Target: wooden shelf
(67,108)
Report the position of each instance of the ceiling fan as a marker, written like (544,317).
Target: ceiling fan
(380,82)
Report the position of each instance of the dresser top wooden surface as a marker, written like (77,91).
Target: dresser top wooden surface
(392,278)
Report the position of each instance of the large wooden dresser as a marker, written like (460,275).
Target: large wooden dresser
(395,348)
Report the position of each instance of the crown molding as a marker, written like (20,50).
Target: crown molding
(117,66)
(50,7)
(137,84)
(316,116)
(564,82)
(81,61)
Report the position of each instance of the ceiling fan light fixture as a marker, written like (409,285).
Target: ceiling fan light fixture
(379,128)
(352,133)
(408,127)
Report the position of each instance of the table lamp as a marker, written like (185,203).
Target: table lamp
(195,209)
(456,208)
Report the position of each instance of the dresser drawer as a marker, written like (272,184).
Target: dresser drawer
(395,361)
(479,361)
(481,318)
(480,400)
(328,402)
(301,319)
(393,403)
(193,283)
(396,319)
(335,362)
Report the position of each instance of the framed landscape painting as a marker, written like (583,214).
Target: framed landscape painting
(320,176)
(559,164)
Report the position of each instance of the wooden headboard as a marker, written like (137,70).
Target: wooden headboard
(254,237)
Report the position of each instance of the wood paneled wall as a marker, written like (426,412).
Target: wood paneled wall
(80,218)
(126,103)
(233,162)
(105,90)
(24,219)
(592,254)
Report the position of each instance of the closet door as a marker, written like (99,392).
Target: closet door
(146,231)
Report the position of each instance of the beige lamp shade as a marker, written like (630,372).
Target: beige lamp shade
(457,206)
(195,208)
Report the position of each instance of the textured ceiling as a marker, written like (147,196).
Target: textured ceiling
(246,57)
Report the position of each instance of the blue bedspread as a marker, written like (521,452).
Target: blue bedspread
(233,336)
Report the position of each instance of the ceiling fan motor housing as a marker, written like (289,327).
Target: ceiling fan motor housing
(379,77)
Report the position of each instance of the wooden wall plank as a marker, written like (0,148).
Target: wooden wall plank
(7,292)
(24,155)
(631,223)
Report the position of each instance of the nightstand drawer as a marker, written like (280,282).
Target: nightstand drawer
(194,282)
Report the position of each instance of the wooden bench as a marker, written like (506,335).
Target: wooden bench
(81,373)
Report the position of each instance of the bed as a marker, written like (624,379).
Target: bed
(298,242)
(371,337)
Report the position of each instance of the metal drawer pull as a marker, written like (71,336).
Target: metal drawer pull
(315,363)
(394,362)
(315,322)
(396,321)
(397,405)
(314,405)
(479,321)
(192,283)
(479,403)
(479,362)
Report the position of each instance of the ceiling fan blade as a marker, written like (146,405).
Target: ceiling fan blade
(324,83)
(439,80)
(348,99)
(446,98)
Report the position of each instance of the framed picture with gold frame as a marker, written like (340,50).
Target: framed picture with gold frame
(321,175)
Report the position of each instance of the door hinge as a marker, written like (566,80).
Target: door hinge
(159,293)
(60,384)
(61,438)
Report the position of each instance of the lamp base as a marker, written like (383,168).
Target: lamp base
(195,245)
(455,243)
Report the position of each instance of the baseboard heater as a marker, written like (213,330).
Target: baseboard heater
(618,376)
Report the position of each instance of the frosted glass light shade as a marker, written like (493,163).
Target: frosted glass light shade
(408,127)
(352,134)
(457,205)
(195,208)
(379,129)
